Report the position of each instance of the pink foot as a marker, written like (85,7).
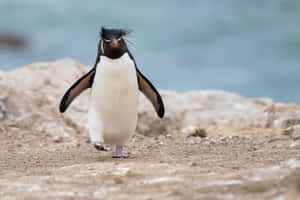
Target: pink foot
(118,153)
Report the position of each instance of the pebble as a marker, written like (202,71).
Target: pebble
(276,146)
(57,139)
(296,136)
(286,123)
(295,145)
(296,132)
(118,180)
(235,167)
(197,140)
(168,136)
(292,131)
(292,163)
(72,144)
(276,138)
(198,132)
(206,143)
(287,131)
(194,140)
(192,164)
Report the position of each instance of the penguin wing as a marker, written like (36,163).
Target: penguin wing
(151,93)
(80,85)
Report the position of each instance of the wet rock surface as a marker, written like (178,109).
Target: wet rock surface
(210,145)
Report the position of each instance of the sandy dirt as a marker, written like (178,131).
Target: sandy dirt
(251,150)
(172,166)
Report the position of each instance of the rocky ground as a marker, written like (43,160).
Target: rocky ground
(210,145)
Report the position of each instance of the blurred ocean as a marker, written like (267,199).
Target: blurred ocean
(248,47)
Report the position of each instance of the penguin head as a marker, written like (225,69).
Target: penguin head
(112,44)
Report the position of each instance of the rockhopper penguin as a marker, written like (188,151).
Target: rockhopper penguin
(115,81)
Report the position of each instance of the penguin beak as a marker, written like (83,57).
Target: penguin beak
(114,43)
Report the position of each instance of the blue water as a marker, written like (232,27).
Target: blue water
(248,47)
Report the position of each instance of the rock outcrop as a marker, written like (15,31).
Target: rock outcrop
(29,98)
(210,145)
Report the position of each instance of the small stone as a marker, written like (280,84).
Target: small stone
(210,141)
(292,163)
(235,167)
(295,145)
(296,136)
(197,140)
(198,132)
(129,173)
(289,122)
(133,135)
(275,107)
(118,180)
(288,131)
(270,109)
(253,148)
(57,139)
(191,141)
(192,164)
(73,144)
(277,138)
(296,132)
(77,144)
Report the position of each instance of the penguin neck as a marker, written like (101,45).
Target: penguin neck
(107,58)
(115,54)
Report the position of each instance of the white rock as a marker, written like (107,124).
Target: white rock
(32,103)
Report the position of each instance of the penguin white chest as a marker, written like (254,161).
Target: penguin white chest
(114,101)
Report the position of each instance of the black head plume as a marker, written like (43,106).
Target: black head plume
(113,33)
(112,43)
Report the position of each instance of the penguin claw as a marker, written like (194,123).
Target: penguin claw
(99,146)
(121,156)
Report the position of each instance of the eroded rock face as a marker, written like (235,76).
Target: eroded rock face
(219,144)
(30,96)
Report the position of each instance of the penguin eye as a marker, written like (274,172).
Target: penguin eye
(105,40)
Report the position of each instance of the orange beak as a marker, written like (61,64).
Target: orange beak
(114,43)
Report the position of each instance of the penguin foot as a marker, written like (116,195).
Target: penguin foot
(99,146)
(120,156)
(118,153)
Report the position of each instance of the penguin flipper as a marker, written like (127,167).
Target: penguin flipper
(151,93)
(80,85)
